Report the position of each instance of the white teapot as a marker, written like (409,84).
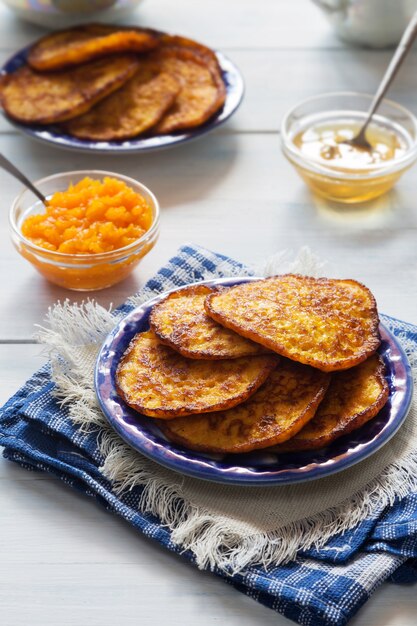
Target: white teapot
(375,23)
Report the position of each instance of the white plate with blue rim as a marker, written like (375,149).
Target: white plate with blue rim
(56,136)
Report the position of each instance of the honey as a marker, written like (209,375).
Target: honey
(329,143)
(339,171)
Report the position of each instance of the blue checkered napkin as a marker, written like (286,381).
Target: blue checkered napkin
(320,588)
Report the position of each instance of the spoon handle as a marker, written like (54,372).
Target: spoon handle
(9,167)
(401,52)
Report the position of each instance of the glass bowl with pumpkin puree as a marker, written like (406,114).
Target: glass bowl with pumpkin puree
(95,228)
(314,136)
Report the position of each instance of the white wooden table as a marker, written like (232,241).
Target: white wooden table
(63,559)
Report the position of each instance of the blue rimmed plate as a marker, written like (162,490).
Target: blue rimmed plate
(56,136)
(261,467)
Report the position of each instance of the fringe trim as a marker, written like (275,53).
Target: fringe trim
(73,336)
(216,543)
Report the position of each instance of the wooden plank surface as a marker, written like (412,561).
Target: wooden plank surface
(233,193)
(64,560)
(235,23)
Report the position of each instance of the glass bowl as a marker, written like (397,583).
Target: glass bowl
(334,181)
(81,272)
(66,13)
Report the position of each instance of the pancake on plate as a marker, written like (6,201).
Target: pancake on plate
(202,93)
(74,46)
(131,110)
(180,321)
(276,412)
(157,381)
(353,398)
(326,323)
(183,43)
(34,98)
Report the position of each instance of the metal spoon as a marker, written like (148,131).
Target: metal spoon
(12,169)
(401,52)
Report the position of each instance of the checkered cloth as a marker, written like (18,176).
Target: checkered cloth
(320,588)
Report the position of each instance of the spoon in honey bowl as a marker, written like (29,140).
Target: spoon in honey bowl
(12,169)
(403,48)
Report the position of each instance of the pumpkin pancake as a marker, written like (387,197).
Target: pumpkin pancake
(183,43)
(327,323)
(354,397)
(34,98)
(180,321)
(157,381)
(202,88)
(131,110)
(80,44)
(277,411)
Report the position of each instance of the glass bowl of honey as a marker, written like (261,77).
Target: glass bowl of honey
(315,138)
(93,230)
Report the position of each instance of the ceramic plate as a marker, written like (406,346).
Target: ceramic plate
(56,136)
(261,467)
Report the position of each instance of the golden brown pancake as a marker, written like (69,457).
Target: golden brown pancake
(202,88)
(277,411)
(180,321)
(74,46)
(326,323)
(131,110)
(185,44)
(157,381)
(353,398)
(34,98)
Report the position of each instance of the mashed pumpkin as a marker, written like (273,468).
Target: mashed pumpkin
(90,217)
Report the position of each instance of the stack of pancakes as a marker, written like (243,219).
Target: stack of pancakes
(289,361)
(107,83)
